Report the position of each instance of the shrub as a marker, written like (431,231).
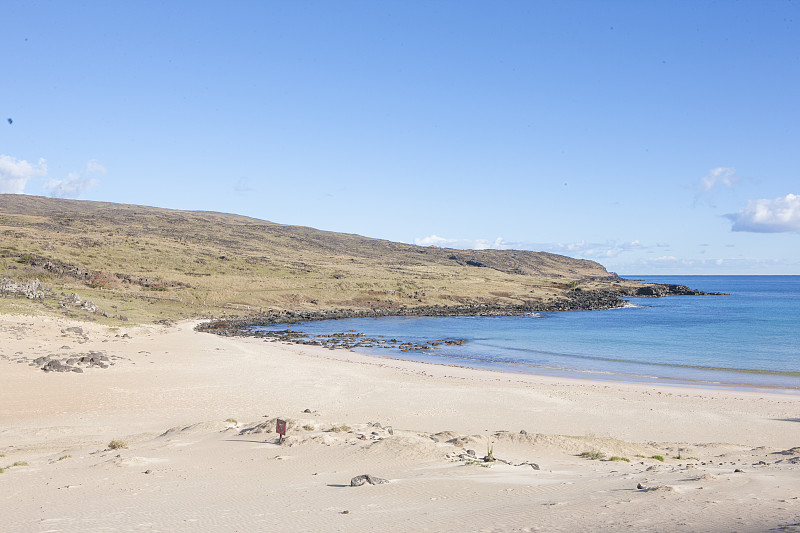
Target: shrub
(617,458)
(593,455)
(117,444)
(658,458)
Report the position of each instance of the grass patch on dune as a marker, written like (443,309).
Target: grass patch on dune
(117,444)
(16,463)
(617,458)
(594,455)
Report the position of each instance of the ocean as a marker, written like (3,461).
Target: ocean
(749,338)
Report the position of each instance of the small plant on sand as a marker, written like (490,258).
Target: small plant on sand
(594,454)
(340,429)
(20,463)
(117,444)
(658,458)
(64,457)
(308,427)
(490,454)
(2,470)
(231,421)
(617,458)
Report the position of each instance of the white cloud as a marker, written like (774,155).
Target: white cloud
(15,173)
(579,249)
(718,176)
(463,244)
(587,250)
(75,182)
(778,215)
(94,167)
(432,240)
(71,187)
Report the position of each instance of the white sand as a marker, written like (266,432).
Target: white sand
(170,390)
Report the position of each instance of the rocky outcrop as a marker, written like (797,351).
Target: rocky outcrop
(92,277)
(75,301)
(32,290)
(658,291)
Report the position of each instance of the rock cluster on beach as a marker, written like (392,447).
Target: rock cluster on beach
(350,340)
(75,363)
(68,361)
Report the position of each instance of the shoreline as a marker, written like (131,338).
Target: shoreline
(184,341)
(425,350)
(194,417)
(597,377)
(578,300)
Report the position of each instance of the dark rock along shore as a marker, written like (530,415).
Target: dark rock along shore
(578,300)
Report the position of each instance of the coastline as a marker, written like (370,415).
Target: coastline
(190,408)
(577,300)
(392,340)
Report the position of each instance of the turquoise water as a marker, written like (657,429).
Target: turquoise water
(749,338)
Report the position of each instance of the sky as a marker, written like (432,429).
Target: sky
(652,137)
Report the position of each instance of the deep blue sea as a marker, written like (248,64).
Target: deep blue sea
(749,338)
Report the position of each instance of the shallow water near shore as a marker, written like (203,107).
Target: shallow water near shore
(746,339)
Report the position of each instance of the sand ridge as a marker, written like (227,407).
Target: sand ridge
(195,413)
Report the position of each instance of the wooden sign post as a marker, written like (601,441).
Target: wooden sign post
(280,428)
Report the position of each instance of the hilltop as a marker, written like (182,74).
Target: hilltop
(144,263)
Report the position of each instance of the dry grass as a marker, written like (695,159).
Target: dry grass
(200,264)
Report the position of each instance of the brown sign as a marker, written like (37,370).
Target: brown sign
(280,427)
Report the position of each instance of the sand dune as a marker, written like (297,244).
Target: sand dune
(193,416)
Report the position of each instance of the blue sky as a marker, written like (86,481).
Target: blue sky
(653,137)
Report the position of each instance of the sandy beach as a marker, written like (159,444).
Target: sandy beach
(192,420)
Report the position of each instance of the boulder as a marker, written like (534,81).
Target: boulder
(366,478)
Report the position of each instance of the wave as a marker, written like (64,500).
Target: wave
(635,362)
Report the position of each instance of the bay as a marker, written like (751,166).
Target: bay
(748,338)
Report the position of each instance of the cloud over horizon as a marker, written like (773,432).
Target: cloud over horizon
(777,215)
(76,182)
(463,244)
(15,173)
(580,249)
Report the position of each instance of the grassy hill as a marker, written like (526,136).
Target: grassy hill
(143,264)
